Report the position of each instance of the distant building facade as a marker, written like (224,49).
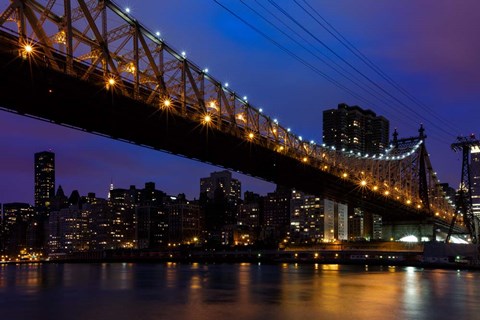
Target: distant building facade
(16,221)
(249,218)
(355,129)
(306,219)
(44,178)
(276,215)
(184,221)
(475,180)
(219,197)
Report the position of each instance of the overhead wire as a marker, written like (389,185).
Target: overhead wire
(312,67)
(345,42)
(366,77)
(404,115)
(293,55)
(297,57)
(330,61)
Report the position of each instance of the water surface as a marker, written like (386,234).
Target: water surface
(235,291)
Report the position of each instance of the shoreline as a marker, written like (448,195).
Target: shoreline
(415,264)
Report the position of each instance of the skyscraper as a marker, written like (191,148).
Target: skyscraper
(475,180)
(355,129)
(44,178)
(220,197)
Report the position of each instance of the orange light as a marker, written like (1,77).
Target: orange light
(363,183)
(207,118)
(110,82)
(28,48)
(213,105)
(167,103)
(305,159)
(251,135)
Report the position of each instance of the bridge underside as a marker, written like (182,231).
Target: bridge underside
(423,230)
(33,90)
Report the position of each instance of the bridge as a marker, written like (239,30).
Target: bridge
(89,65)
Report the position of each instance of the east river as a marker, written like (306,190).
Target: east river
(235,291)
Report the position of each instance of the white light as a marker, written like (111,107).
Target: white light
(127,10)
(226,85)
(454,239)
(245,98)
(275,120)
(288,130)
(300,138)
(158,33)
(409,239)
(205,70)
(184,54)
(28,48)
(312,142)
(260,110)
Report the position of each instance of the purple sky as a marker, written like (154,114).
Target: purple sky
(429,47)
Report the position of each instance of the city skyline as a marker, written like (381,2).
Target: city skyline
(427,56)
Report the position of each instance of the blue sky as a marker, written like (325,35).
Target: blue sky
(429,47)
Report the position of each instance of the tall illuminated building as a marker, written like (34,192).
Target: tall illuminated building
(220,196)
(355,129)
(44,178)
(475,180)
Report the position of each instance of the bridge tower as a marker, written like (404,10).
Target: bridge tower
(464,200)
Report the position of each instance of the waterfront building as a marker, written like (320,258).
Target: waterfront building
(248,219)
(219,198)
(356,225)
(122,217)
(69,228)
(364,225)
(97,211)
(335,221)
(306,218)
(15,224)
(151,218)
(276,215)
(151,227)
(355,129)
(184,221)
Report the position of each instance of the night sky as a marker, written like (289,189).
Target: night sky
(429,48)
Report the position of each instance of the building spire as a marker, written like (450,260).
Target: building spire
(110,189)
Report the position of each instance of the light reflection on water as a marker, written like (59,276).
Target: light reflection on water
(235,291)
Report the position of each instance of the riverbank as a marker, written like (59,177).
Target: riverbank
(422,255)
(261,257)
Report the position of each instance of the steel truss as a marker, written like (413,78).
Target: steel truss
(96,41)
